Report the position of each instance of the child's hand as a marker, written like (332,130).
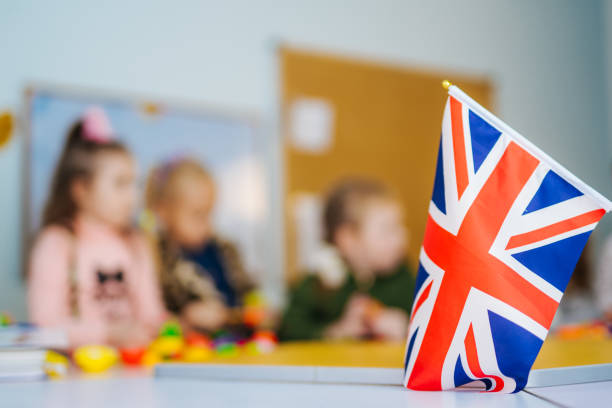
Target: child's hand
(129,334)
(208,315)
(390,324)
(357,307)
(352,324)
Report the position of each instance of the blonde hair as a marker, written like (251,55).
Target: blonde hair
(161,184)
(164,178)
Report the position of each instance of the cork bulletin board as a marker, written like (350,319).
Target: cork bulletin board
(345,117)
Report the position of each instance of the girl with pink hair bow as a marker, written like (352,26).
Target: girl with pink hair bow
(90,272)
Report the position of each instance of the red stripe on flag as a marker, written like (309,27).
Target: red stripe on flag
(555,229)
(459,146)
(472,358)
(422,298)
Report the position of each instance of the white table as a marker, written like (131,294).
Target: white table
(597,394)
(175,393)
(217,386)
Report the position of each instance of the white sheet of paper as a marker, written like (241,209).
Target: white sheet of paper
(311,125)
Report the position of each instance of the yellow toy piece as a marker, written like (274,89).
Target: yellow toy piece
(196,354)
(252,349)
(56,365)
(254,298)
(167,346)
(95,358)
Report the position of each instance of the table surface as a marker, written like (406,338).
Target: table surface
(165,393)
(555,352)
(129,388)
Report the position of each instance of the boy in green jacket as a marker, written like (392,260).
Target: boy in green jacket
(361,287)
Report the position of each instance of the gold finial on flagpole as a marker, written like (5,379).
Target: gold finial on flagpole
(446,84)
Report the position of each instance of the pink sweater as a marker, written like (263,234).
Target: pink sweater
(86,280)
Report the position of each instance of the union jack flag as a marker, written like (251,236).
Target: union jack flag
(505,228)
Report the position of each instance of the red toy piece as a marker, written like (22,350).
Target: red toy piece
(266,335)
(132,356)
(262,342)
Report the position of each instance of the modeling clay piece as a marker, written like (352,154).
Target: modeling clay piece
(262,342)
(5,319)
(198,339)
(56,365)
(167,347)
(196,354)
(229,349)
(132,356)
(95,358)
(150,358)
(171,329)
(254,311)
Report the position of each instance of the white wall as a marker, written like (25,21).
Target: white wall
(546,59)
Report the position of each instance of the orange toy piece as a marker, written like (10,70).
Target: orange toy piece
(150,358)
(253,316)
(198,340)
(254,311)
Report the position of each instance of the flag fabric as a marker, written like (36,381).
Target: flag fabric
(505,228)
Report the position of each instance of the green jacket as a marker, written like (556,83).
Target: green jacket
(312,306)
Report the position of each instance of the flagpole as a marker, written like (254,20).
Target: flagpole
(455,91)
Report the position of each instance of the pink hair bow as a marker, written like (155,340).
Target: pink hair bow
(96,126)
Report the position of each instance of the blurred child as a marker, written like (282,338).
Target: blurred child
(579,303)
(90,272)
(363,288)
(603,282)
(202,276)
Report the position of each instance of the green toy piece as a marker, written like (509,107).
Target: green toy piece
(171,329)
(227,350)
(5,319)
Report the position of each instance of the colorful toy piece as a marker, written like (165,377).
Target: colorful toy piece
(198,348)
(167,347)
(132,356)
(262,342)
(198,340)
(227,349)
(253,316)
(196,354)
(56,365)
(95,358)
(171,329)
(254,311)
(150,358)
(5,319)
